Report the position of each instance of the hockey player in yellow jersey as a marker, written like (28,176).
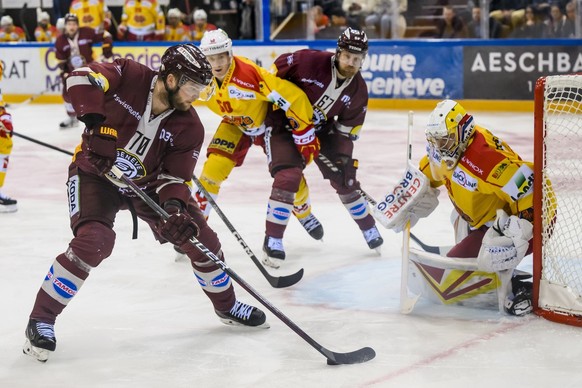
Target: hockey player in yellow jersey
(176,31)
(141,20)
(91,13)
(244,93)
(491,189)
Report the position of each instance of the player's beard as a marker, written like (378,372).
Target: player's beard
(175,101)
(348,71)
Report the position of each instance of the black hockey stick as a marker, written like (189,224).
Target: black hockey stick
(275,281)
(22,21)
(333,358)
(42,143)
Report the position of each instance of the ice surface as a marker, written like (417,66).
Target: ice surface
(141,320)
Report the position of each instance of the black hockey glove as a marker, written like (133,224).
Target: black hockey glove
(102,147)
(179,227)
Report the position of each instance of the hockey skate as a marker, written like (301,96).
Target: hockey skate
(521,302)
(242,314)
(373,238)
(7,204)
(69,122)
(274,251)
(312,225)
(40,340)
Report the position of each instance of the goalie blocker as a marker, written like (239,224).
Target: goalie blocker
(410,200)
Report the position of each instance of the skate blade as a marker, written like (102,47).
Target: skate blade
(271,261)
(8,208)
(39,354)
(378,251)
(230,322)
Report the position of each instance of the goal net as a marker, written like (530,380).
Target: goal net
(558,199)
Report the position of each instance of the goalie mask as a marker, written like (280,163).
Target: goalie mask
(448,132)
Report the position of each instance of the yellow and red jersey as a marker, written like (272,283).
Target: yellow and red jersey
(488,176)
(179,33)
(197,32)
(48,34)
(143,17)
(12,34)
(91,13)
(246,92)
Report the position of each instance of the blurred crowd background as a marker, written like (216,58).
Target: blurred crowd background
(186,20)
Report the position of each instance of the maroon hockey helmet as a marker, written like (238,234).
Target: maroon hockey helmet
(354,41)
(186,60)
(71,17)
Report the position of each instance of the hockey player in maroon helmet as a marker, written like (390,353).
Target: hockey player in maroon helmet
(339,96)
(144,123)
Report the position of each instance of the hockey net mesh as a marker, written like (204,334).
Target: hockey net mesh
(561,275)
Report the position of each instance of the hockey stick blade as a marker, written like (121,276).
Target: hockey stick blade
(355,357)
(425,247)
(274,281)
(359,356)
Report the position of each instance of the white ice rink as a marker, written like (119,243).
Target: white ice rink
(141,320)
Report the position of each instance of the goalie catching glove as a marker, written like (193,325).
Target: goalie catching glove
(410,200)
(505,244)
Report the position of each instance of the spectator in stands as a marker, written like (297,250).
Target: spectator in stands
(200,25)
(320,20)
(141,21)
(247,21)
(556,26)
(474,26)
(339,22)
(176,31)
(9,32)
(381,15)
(532,26)
(450,26)
(92,13)
(570,27)
(44,31)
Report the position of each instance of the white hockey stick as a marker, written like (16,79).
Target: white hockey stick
(407,302)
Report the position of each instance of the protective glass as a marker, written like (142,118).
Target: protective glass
(204,92)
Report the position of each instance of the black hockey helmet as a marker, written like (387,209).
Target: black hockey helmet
(354,41)
(71,17)
(186,60)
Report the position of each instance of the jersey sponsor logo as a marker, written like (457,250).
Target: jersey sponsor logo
(222,144)
(521,184)
(243,83)
(127,107)
(238,94)
(319,117)
(279,213)
(130,164)
(278,100)
(201,281)
(62,286)
(239,121)
(499,170)
(358,210)
(166,136)
(73,195)
(402,195)
(461,178)
(314,82)
(471,165)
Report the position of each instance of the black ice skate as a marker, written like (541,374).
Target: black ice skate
(274,251)
(373,238)
(312,225)
(242,314)
(521,302)
(7,204)
(69,122)
(40,340)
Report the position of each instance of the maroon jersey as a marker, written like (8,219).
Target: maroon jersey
(159,153)
(313,72)
(75,52)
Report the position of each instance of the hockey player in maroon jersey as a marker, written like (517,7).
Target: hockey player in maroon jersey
(339,97)
(74,48)
(142,122)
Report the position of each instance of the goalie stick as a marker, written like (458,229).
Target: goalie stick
(274,281)
(333,358)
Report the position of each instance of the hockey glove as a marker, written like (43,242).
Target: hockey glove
(179,227)
(505,243)
(102,147)
(307,144)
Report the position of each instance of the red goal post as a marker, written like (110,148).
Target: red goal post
(557,254)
